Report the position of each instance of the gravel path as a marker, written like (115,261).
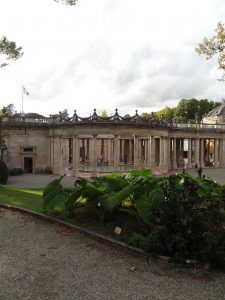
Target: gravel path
(39,260)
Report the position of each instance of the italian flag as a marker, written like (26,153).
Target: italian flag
(25,91)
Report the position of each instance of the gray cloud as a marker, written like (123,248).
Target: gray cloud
(149,78)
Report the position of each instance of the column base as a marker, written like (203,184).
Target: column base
(94,174)
(75,172)
(58,171)
(174,165)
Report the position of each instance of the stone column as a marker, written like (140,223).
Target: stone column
(94,146)
(76,156)
(146,154)
(216,150)
(152,164)
(148,143)
(88,150)
(182,152)
(130,152)
(174,153)
(57,156)
(170,166)
(139,151)
(116,152)
(102,149)
(161,152)
(166,148)
(189,153)
(122,150)
(51,152)
(136,151)
(109,151)
(202,160)
(196,152)
(222,152)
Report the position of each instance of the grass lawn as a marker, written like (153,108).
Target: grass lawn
(31,199)
(26,198)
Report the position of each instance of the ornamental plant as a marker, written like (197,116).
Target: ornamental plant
(183,216)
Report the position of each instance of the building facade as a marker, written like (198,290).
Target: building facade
(110,144)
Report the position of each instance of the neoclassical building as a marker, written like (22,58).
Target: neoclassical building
(112,144)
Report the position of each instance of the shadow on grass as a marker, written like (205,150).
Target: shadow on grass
(26,198)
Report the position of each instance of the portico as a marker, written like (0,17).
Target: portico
(112,144)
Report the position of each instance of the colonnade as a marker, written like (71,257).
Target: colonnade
(160,153)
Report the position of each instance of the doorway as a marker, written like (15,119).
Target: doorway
(28,164)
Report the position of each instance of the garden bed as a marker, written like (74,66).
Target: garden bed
(179,216)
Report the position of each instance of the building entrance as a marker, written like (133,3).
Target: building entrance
(28,164)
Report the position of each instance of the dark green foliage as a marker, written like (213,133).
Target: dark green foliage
(182,216)
(103,195)
(54,195)
(192,110)
(4,172)
(186,218)
(72,202)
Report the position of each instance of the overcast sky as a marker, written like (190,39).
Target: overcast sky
(108,54)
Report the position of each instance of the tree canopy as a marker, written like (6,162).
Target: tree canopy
(215,45)
(33,115)
(9,50)
(191,110)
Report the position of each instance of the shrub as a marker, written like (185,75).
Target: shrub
(186,218)
(4,172)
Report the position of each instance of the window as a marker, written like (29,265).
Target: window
(28,149)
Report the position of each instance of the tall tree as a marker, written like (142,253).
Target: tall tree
(9,50)
(193,109)
(215,45)
(8,110)
(165,113)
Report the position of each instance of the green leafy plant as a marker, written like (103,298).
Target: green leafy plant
(54,195)
(180,215)
(185,216)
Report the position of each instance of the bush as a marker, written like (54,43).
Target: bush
(186,218)
(4,172)
(183,216)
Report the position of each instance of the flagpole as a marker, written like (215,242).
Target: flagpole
(22,99)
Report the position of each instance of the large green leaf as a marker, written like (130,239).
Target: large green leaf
(51,186)
(51,195)
(52,199)
(57,202)
(116,198)
(72,201)
(145,173)
(91,191)
(148,202)
(114,183)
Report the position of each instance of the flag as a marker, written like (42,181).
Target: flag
(25,91)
